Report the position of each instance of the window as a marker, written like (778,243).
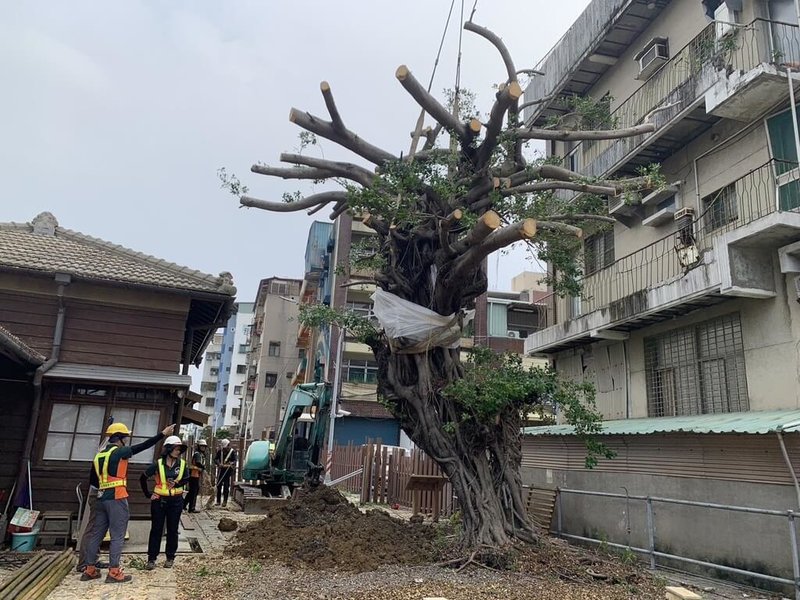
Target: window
(362,309)
(237,390)
(241,369)
(784,153)
(210,402)
(208,386)
(270,379)
(225,388)
(214,372)
(279,288)
(697,369)
(75,430)
(598,252)
(274,349)
(230,348)
(246,330)
(289,374)
(720,208)
(235,411)
(301,353)
(213,356)
(361,371)
(243,348)
(228,369)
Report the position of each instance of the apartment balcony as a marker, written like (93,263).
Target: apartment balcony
(732,76)
(726,251)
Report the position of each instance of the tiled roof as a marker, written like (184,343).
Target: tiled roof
(14,345)
(42,245)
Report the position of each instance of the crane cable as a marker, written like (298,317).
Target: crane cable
(421,119)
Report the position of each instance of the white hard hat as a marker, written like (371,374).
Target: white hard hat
(173,440)
(224,443)
(202,443)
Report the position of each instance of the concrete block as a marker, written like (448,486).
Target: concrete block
(681,593)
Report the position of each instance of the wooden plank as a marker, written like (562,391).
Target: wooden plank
(384,475)
(377,474)
(365,475)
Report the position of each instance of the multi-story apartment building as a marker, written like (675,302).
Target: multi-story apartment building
(273,355)
(233,368)
(209,384)
(689,310)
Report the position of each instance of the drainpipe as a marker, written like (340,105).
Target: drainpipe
(187,356)
(63,281)
(779,433)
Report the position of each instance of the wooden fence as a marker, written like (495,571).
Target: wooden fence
(385,475)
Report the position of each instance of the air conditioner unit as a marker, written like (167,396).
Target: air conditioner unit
(725,20)
(682,213)
(512,334)
(652,56)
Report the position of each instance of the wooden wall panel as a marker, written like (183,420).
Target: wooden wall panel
(32,318)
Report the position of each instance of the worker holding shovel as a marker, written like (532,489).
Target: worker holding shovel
(225,459)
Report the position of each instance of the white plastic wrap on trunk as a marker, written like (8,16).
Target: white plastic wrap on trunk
(412,328)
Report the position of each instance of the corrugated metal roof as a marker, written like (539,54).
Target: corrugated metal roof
(117,375)
(766,421)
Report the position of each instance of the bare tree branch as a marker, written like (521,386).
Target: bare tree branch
(534,102)
(293,172)
(338,209)
(540,186)
(495,40)
(430,137)
(345,138)
(340,169)
(561,228)
(432,106)
(570,135)
(582,217)
(336,119)
(444,230)
(488,222)
(523,230)
(322,198)
(529,72)
(506,98)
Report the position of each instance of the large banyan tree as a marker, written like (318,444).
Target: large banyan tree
(437,212)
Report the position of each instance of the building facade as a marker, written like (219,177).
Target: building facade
(210,377)
(273,356)
(690,302)
(232,371)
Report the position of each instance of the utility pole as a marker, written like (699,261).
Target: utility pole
(337,379)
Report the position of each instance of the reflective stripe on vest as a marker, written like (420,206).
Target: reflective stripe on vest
(107,481)
(162,488)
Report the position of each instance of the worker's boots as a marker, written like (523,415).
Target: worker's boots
(90,572)
(115,575)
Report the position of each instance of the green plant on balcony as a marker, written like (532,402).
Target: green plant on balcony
(437,213)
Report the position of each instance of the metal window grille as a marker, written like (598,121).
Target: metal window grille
(274,349)
(697,369)
(598,252)
(721,207)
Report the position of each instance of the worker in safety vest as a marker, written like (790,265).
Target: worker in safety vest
(111,467)
(196,471)
(166,500)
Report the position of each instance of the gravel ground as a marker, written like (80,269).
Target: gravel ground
(215,577)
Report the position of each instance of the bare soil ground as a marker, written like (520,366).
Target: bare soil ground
(319,546)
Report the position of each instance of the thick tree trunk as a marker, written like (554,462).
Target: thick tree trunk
(481,462)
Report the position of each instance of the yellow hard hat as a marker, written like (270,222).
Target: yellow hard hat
(119,428)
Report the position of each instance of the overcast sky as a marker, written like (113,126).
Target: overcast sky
(115,116)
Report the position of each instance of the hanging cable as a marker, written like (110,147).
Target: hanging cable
(474,7)
(421,119)
(458,63)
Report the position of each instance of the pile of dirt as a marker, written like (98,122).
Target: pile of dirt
(320,528)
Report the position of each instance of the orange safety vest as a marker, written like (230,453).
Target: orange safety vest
(118,482)
(162,487)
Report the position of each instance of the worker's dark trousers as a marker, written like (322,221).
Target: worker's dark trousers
(224,485)
(169,509)
(190,503)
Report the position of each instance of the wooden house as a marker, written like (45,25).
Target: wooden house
(90,332)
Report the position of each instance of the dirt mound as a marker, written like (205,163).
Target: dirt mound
(320,528)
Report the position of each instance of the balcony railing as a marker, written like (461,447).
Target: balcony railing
(681,80)
(772,187)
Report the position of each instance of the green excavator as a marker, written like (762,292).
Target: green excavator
(295,459)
